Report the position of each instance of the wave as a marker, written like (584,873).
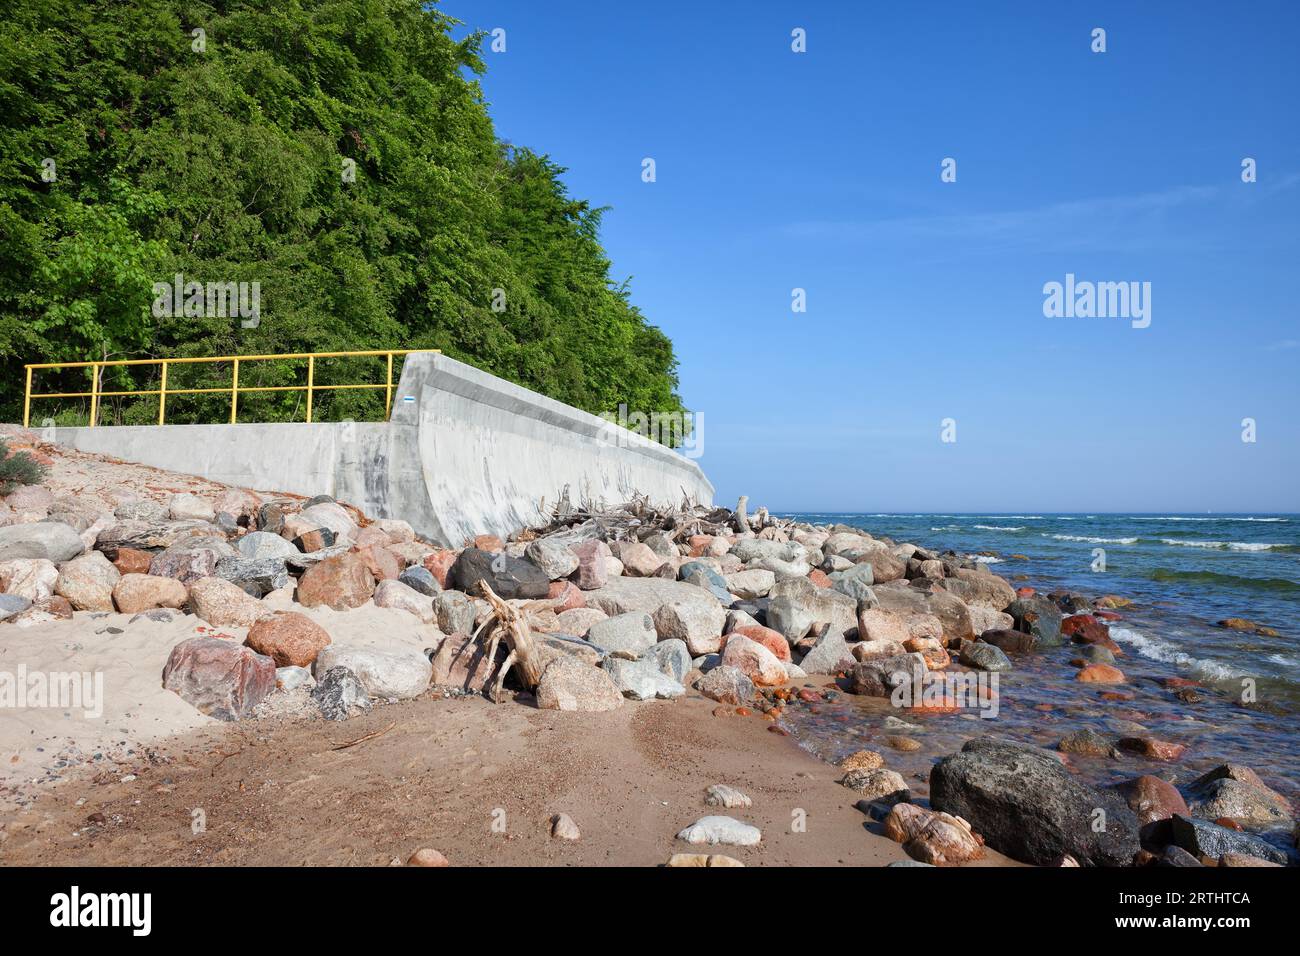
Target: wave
(986,559)
(1277,585)
(1160,650)
(1229,545)
(1221,518)
(1080,537)
(994,527)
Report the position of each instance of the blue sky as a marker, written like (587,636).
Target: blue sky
(821,170)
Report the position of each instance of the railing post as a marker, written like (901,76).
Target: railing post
(27,400)
(94,393)
(388,400)
(311,378)
(234,392)
(162,395)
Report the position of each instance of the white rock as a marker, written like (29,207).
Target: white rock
(714,830)
(720,795)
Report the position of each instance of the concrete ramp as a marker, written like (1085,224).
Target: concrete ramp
(463,453)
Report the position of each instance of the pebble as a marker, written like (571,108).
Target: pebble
(563,828)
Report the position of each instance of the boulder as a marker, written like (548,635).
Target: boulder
(421,579)
(221,603)
(982,588)
(1204,839)
(30,578)
(638,559)
(191,558)
(135,593)
(12,605)
(878,784)
(1151,798)
(754,661)
(830,655)
(220,678)
(461,662)
(402,597)
(593,565)
(984,657)
(400,674)
(698,624)
(1236,792)
(625,635)
(713,830)
(704,576)
(750,584)
(1038,616)
(187,507)
(672,658)
(508,576)
(88,581)
(260,544)
(641,679)
(256,576)
(340,694)
(939,839)
(333,516)
(439,565)
(454,613)
(726,685)
(553,557)
(769,638)
(880,676)
(578,620)
(623,594)
(569,684)
(289,638)
(238,503)
(1027,805)
(339,582)
(50,540)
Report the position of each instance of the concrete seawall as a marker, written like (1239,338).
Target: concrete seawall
(464,453)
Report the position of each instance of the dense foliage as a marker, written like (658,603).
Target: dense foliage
(134,147)
(18,468)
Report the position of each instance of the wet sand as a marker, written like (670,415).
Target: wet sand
(276,792)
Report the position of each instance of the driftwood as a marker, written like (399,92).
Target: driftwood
(508,624)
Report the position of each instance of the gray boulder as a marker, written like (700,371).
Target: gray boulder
(625,635)
(339,694)
(1027,805)
(51,540)
(641,679)
(553,557)
(257,576)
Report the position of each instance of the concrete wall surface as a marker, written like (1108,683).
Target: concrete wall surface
(464,453)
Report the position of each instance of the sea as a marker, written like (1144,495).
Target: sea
(1183,573)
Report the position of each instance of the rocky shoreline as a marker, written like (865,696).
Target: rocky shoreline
(600,612)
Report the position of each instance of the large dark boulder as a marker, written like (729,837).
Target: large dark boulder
(1202,838)
(1027,805)
(1038,616)
(509,577)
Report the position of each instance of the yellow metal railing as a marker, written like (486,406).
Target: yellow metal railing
(235,389)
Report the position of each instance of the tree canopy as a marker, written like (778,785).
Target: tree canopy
(339,153)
